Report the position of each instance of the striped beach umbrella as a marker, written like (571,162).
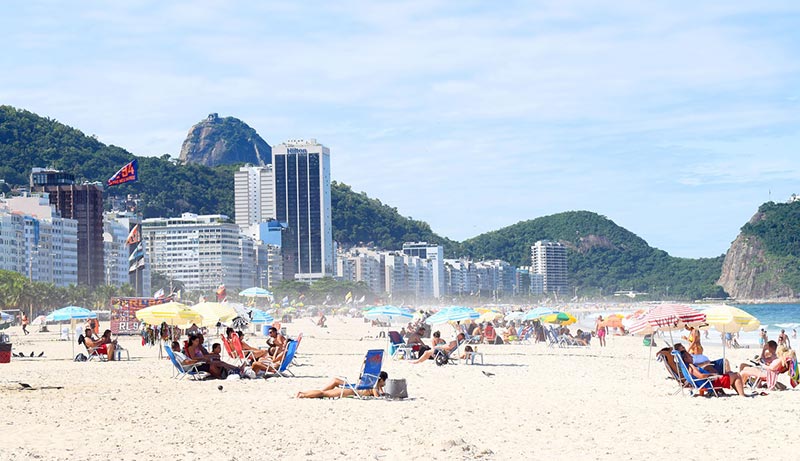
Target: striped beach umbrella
(667,317)
(452,314)
(538,312)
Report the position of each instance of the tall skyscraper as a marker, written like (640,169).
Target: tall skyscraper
(303,202)
(433,253)
(549,259)
(83,203)
(254,195)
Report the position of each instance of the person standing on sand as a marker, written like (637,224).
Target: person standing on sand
(24,321)
(601,330)
(695,348)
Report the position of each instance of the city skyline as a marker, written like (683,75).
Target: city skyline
(470,117)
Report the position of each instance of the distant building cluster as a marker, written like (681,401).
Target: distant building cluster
(58,232)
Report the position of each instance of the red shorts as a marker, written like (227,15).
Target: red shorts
(723,381)
(102,349)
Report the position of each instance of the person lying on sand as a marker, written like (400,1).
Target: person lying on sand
(333,391)
(729,380)
(447,349)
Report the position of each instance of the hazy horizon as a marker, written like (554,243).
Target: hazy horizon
(674,120)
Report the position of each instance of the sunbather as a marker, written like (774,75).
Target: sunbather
(104,345)
(510,334)
(777,366)
(277,346)
(730,380)
(718,366)
(255,352)
(184,360)
(446,349)
(768,353)
(217,367)
(333,389)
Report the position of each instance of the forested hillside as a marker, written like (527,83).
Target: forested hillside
(602,255)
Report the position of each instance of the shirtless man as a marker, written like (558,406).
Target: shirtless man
(104,345)
(277,343)
(783,339)
(447,349)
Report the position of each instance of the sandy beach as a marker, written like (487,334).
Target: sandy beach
(541,403)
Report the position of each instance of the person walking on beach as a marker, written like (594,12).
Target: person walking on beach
(24,321)
(601,330)
(783,339)
(695,348)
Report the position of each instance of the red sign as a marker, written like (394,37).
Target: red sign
(123,314)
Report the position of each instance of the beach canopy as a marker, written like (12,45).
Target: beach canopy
(387,313)
(514,316)
(613,321)
(69,313)
(490,316)
(452,314)
(213,312)
(173,313)
(256,292)
(667,317)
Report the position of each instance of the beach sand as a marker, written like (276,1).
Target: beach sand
(541,403)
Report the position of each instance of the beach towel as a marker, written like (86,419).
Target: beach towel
(794,374)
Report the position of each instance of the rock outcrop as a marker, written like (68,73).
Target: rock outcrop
(749,273)
(223,140)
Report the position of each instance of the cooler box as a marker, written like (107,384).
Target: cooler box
(5,352)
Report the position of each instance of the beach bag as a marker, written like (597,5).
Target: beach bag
(396,389)
(81,358)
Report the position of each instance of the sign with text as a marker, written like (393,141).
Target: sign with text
(123,314)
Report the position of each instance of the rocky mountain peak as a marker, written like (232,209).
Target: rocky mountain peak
(222,140)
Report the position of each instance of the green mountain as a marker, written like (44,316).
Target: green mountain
(224,140)
(602,256)
(168,187)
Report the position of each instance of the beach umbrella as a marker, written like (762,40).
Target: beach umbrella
(173,313)
(490,316)
(729,319)
(259,316)
(387,313)
(666,317)
(560,318)
(515,316)
(70,313)
(213,312)
(613,321)
(8,317)
(256,292)
(538,312)
(452,314)
(40,320)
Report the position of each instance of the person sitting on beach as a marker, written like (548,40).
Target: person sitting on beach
(104,345)
(489,334)
(277,346)
(730,380)
(437,340)
(184,360)
(446,349)
(334,391)
(250,350)
(216,367)
(415,341)
(510,334)
(784,356)
(768,354)
(718,366)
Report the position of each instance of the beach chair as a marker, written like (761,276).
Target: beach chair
(283,370)
(554,339)
(244,356)
(755,383)
(398,347)
(696,383)
(442,357)
(673,374)
(370,372)
(229,349)
(185,370)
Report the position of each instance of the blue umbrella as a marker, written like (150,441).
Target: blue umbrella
(256,292)
(259,316)
(538,312)
(452,314)
(69,313)
(387,313)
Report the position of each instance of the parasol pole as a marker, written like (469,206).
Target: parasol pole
(650,352)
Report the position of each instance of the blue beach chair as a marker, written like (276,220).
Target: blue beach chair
(283,370)
(370,372)
(696,383)
(185,370)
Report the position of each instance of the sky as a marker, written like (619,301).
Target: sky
(674,119)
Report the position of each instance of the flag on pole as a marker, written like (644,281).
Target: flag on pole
(135,236)
(137,253)
(130,172)
(348,297)
(137,265)
(159,294)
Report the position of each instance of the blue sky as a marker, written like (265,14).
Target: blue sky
(675,120)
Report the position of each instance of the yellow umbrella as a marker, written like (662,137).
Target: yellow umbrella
(561,318)
(729,319)
(213,312)
(489,316)
(173,313)
(482,310)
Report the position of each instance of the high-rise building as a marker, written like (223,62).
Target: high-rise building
(434,254)
(549,259)
(303,202)
(202,251)
(254,195)
(83,203)
(37,242)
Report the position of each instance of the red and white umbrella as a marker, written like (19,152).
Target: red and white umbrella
(667,317)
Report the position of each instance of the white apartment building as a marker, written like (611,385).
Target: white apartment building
(202,251)
(434,254)
(254,195)
(269,266)
(37,242)
(362,265)
(549,259)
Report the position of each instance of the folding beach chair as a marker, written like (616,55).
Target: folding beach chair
(442,357)
(185,370)
(696,383)
(244,356)
(370,372)
(673,374)
(283,370)
(398,347)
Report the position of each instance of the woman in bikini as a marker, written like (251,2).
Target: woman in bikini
(333,391)
(695,348)
(196,352)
